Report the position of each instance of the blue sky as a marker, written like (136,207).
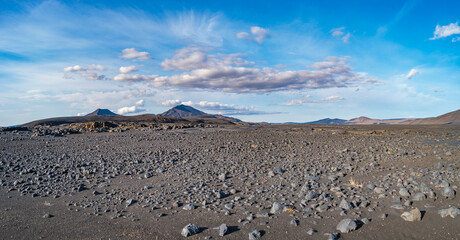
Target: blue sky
(273,61)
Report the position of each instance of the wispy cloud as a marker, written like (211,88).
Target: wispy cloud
(412,73)
(307,99)
(340,32)
(446,31)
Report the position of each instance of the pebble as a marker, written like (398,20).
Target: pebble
(452,212)
(277,208)
(223,229)
(254,235)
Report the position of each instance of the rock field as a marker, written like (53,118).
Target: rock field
(233,182)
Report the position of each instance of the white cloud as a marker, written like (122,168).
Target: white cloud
(307,99)
(337,32)
(134,78)
(131,53)
(185,59)
(412,73)
(196,58)
(258,34)
(456,39)
(445,31)
(226,75)
(140,103)
(169,103)
(87,72)
(128,69)
(132,109)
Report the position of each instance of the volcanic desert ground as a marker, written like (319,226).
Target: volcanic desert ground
(232,182)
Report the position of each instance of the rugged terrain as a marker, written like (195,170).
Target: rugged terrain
(279,182)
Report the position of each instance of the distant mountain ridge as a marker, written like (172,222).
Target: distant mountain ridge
(448,118)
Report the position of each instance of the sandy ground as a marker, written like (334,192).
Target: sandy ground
(407,153)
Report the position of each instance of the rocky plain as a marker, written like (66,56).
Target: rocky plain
(232,182)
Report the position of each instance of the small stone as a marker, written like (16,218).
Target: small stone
(47,216)
(413,216)
(254,235)
(345,205)
(379,190)
(365,220)
(452,212)
(222,176)
(347,225)
(370,186)
(311,231)
(448,192)
(277,208)
(294,222)
(130,202)
(332,236)
(404,192)
(189,207)
(228,206)
(419,197)
(223,229)
(190,229)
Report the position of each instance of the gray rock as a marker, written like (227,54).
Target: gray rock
(332,236)
(345,205)
(254,235)
(228,206)
(311,195)
(311,231)
(419,197)
(222,176)
(130,202)
(223,229)
(365,220)
(403,192)
(189,207)
(347,225)
(47,215)
(452,212)
(370,186)
(189,230)
(413,216)
(379,190)
(294,222)
(277,208)
(448,192)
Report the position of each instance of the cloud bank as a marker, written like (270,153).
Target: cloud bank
(231,73)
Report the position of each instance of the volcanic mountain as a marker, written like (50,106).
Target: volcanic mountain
(101,112)
(183,111)
(188,112)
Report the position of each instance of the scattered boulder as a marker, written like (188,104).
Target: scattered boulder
(412,216)
(347,225)
(452,212)
(254,235)
(189,230)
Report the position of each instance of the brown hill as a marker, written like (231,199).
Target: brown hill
(371,121)
(448,118)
